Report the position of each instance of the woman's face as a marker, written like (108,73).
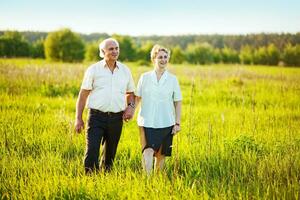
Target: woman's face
(161,60)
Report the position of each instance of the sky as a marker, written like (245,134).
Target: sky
(152,17)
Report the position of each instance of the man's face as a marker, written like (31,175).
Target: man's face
(111,51)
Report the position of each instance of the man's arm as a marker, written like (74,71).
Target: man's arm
(129,111)
(80,104)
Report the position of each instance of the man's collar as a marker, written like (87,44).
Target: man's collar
(104,64)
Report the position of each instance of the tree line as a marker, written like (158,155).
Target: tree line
(67,46)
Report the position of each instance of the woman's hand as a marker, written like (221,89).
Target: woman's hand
(176,128)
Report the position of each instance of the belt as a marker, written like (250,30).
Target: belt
(106,113)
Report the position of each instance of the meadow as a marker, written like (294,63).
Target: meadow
(240,136)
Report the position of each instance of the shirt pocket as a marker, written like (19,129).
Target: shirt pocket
(122,85)
(101,81)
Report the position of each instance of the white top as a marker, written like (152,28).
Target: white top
(108,90)
(157,99)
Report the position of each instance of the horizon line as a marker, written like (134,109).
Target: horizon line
(161,35)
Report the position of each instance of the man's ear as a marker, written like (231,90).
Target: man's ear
(103,52)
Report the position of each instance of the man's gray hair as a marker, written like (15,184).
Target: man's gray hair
(102,45)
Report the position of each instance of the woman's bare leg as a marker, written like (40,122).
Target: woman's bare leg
(147,160)
(159,160)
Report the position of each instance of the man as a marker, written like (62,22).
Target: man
(106,86)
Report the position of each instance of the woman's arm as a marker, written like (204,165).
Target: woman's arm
(137,100)
(177,105)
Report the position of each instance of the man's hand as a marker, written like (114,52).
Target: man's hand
(128,113)
(79,125)
(81,101)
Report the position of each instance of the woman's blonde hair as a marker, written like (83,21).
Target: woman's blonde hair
(157,48)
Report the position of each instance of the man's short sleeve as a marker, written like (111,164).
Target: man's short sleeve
(138,91)
(87,83)
(177,93)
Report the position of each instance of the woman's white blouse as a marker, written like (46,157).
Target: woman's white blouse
(157,99)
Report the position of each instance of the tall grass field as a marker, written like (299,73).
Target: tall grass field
(240,136)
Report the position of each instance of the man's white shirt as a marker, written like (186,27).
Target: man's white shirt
(108,90)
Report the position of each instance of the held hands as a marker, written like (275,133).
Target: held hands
(176,129)
(79,125)
(128,113)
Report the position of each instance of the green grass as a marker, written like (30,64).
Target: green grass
(240,136)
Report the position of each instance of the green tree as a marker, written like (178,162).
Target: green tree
(143,52)
(37,49)
(127,49)
(269,55)
(291,55)
(217,55)
(13,44)
(229,55)
(200,53)
(64,45)
(92,52)
(177,56)
(260,56)
(246,55)
(273,54)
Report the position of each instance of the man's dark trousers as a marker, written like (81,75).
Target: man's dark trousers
(105,128)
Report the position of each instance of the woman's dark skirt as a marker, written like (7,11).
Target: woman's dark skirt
(157,137)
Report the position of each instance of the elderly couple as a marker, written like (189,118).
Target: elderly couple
(108,91)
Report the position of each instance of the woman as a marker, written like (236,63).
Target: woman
(159,115)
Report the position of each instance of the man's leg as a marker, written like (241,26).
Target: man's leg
(112,137)
(93,139)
